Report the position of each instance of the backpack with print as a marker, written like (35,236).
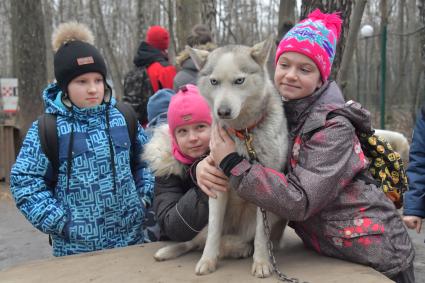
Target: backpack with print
(385,166)
(137,90)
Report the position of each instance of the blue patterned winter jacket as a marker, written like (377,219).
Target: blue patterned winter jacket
(89,214)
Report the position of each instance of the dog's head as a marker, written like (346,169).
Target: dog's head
(234,80)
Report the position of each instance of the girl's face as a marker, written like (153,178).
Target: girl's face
(296,76)
(87,90)
(194,139)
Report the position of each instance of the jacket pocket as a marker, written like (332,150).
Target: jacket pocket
(120,139)
(79,146)
(361,240)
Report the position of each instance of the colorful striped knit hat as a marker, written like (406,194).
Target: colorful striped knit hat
(315,37)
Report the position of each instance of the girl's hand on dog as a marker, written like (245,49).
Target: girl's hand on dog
(221,144)
(210,178)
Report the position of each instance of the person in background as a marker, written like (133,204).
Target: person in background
(414,198)
(158,107)
(322,193)
(200,38)
(181,207)
(99,200)
(152,71)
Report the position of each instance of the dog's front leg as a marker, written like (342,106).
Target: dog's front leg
(261,266)
(217,209)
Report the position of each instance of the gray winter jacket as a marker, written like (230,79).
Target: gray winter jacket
(180,206)
(331,209)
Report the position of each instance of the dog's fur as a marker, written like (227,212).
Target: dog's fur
(235,82)
(397,141)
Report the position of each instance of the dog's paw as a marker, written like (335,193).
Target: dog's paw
(162,254)
(206,266)
(262,269)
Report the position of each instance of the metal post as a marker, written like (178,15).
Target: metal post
(383,73)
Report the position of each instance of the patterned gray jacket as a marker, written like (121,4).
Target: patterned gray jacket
(331,209)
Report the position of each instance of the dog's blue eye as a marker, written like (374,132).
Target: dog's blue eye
(239,81)
(213,81)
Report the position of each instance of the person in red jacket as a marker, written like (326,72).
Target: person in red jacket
(151,73)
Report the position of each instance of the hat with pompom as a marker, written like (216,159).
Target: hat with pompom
(315,37)
(75,54)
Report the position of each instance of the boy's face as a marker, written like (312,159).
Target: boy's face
(296,76)
(87,90)
(193,139)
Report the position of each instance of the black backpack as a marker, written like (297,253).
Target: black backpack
(49,137)
(137,90)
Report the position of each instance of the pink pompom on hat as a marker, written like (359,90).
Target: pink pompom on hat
(158,37)
(315,37)
(186,107)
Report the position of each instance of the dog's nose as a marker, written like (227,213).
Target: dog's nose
(224,112)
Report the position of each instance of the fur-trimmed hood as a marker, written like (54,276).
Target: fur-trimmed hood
(184,55)
(158,154)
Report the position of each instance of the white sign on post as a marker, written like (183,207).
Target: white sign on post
(9,95)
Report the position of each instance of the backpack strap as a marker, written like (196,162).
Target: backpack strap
(48,135)
(132,124)
(130,119)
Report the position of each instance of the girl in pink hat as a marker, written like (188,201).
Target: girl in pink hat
(181,207)
(326,192)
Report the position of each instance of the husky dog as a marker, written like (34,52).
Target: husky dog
(235,82)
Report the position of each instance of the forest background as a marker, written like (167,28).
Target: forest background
(384,70)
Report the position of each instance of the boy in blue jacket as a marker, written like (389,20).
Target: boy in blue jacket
(99,200)
(414,199)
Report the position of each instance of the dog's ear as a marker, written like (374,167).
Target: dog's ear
(198,56)
(260,51)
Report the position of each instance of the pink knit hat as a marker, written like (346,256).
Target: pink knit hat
(158,37)
(315,37)
(186,107)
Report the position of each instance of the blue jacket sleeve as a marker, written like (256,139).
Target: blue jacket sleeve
(143,176)
(414,199)
(33,198)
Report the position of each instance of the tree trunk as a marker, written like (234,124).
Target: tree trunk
(188,15)
(351,41)
(106,43)
(48,29)
(30,59)
(331,6)
(209,16)
(286,17)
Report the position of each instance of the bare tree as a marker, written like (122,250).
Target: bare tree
(286,16)
(351,41)
(30,61)
(330,6)
(106,43)
(188,15)
(209,16)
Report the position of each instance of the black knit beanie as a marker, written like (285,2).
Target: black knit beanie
(75,58)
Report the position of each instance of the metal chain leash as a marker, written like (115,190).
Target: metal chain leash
(280,275)
(253,156)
